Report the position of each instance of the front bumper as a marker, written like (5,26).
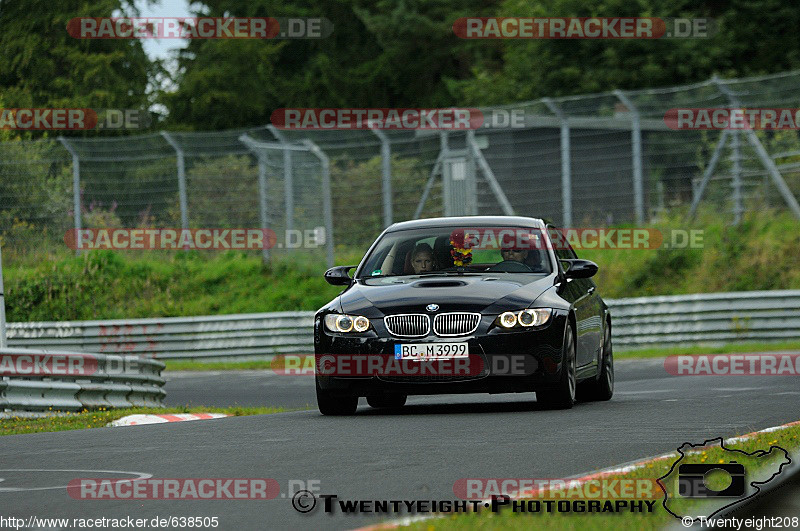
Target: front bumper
(518,361)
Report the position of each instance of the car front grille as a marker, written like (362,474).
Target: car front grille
(456,323)
(408,324)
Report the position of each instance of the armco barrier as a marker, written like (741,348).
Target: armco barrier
(638,322)
(40,380)
(240,335)
(706,318)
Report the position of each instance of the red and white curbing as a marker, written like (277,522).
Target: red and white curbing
(618,469)
(136,420)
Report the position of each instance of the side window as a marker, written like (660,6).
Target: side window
(561,246)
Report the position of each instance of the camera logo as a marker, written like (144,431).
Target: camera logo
(696,480)
(710,477)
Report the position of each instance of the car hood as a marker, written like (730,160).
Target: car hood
(375,297)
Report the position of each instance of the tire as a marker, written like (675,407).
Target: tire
(387,401)
(330,403)
(562,395)
(602,388)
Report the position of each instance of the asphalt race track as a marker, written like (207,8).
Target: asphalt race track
(415,454)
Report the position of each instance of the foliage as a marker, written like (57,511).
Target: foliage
(43,66)
(358,219)
(760,254)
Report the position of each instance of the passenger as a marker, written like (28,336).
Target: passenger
(422,258)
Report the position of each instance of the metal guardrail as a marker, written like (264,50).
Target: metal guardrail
(40,380)
(218,336)
(706,318)
(638,322)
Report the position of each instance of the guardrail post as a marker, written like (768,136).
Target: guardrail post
(181,178)
(327,206)
(2,306)
(76,191)
(262,188)
(386,175)
(288,177)
(636,155)
(566,169)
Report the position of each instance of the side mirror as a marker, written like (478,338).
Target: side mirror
(337,276)
(580,268)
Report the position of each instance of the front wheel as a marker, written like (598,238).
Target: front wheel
(603,387)
(562,395)
(335,404)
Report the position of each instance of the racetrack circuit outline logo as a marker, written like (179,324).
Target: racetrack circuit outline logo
(693,477)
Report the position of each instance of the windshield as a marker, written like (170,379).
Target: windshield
(449,250)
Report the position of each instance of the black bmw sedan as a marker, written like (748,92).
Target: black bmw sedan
(464,305)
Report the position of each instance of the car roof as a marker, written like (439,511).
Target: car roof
(468,221)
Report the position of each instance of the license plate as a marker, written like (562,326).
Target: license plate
(430,351)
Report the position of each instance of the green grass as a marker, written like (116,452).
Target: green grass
(696,350)
(218,365)
(788,438)
(100,418)
(761,254)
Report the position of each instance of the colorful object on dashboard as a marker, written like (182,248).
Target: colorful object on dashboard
(461,256)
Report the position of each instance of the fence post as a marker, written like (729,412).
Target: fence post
(736,184)
(636,155)
(288,178)
(76,191)
(386,175)
(327,206)
(761,151)
(432,177)
(262,189)
(698,192)
(488,174)
(181,178)
(566,170)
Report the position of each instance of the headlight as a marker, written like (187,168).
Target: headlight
(508,319)
(343,323)
(526,318)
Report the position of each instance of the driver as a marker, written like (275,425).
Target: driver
(422,258)
(515,255)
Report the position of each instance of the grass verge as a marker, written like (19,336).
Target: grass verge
(788,438)
(760,254)
(100,418)
(697,350)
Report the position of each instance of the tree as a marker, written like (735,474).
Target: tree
(389,54)
(43,66)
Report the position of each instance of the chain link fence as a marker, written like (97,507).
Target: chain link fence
(595,159)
